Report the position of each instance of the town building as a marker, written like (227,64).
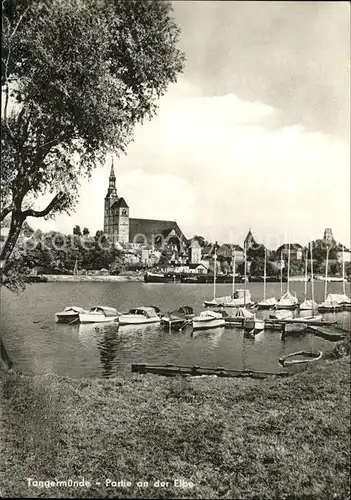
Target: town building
(195,252)
(249,240)
(144,233)
(296,251)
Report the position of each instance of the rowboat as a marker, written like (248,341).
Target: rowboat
(139,316)
(99,314)
(254,325)
(208,319)
(178,318)
(300,358)
(70,314)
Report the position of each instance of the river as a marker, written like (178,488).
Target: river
(38,345)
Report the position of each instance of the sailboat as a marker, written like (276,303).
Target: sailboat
(271,302)
(288,301)
(309,304)
(239,297)
(331,302)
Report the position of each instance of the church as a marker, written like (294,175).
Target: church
(141,232)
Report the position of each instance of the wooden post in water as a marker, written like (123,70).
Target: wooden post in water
(281,273)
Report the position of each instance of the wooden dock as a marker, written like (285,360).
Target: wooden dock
(325,333)
(170,370)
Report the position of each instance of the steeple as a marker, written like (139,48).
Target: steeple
(112,192)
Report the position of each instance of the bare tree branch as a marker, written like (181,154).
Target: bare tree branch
(58,199)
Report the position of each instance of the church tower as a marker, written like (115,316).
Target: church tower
(116,214)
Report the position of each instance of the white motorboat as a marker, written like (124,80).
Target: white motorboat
(70,314)
(179,318)
(99,314)
(139,316)
(208,319)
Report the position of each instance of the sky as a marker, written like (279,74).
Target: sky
(254,134)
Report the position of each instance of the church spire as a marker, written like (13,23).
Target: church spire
(112,173)
(112,192)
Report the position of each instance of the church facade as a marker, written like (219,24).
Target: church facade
(141,232)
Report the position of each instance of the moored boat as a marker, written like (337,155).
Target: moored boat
(139,316)
(98,314)
(267,303)
(254,325)
(287,301)
(70,314)
(154,277)
(179,318)
(241,298)
(332,303)
(300,359)
(308,305)
(208,319)
(281,315)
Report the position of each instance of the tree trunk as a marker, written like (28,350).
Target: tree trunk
(17,220)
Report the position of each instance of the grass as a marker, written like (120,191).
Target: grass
(231,438)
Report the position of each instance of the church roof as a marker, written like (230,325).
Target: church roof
(293,246)
(121,202)
(153,227)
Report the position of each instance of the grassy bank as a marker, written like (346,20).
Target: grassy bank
(232,438)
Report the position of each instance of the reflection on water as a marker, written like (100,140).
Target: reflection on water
(38,345)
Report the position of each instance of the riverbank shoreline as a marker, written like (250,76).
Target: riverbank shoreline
(203,437)
(91,278)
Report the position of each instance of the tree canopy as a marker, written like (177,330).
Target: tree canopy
(76,77)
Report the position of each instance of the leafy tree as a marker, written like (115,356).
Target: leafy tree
(77,231)
(86,231)
(76,78)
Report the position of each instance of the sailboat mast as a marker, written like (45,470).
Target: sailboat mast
(326,275)
(312,278)
(343,272)
(214,273)
(281,273)
(306,264)
(244,275)
(265,274)
(288,277)
(233,284)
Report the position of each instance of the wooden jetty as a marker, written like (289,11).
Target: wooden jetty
(170,370)
(326,334)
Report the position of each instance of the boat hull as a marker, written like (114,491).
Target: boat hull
(254,324)
(207,324)
(136,320)
(89,317)
(66,317)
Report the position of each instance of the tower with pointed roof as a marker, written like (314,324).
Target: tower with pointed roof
(116,213)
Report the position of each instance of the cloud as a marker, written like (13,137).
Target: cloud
(219,165)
